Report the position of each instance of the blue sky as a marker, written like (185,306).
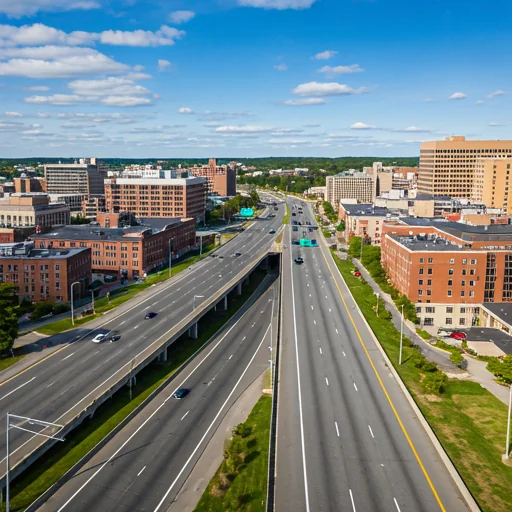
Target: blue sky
(200,78)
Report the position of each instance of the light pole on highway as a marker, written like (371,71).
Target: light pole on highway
(401,335)
(25,421)
(194,301)
(507,447)
(72,310)
(92,295)
(170,257)
(291,183)
(377,306)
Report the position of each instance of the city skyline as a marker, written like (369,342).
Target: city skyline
(247,77)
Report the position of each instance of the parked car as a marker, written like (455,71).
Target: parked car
(458,335)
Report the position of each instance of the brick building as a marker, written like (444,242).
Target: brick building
(25,185)
(23,210)
(448,269)
(147,197)
(46,275)
(127,252)
(221,178)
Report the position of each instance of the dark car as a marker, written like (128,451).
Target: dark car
(181,393)
(213,255)
(221,257)
(272,231)
(295,242)
(151,314)
(114,337)
(293,214)
(295,228)
(238,254)
(299,261)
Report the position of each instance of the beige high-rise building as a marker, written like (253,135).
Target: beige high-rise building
(492,182)
(447,167)
(358,186)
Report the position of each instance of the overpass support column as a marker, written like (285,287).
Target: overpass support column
(225,302)
(163,356)
(239,288)
(192,331)
(264,263)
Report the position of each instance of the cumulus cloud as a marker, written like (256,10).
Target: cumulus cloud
(499,92)
(181,16)
(281,67)
(185,110)
(457,96)
(13,114)
(243,129)
(164,65)
(326,55)
(112,86)
(362,126)
(75,99)
(19,8)
(479,102)
(427,100)
(341,70)
(38,88)
(492,124)
(326,89)
(304,102)
(165,36)
(277,4)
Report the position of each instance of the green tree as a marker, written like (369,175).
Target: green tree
(502,368)
(8,316)
(79,219)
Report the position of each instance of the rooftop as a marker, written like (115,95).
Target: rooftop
(24,250)
(365,209)
(503,310)
(428,243)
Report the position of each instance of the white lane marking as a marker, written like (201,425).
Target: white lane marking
(161,405)
(310,295)
(326,380)
(213,422)
(326,296)
(355,387)
(330,310)
(244,338)
(312,307)
(308,284)
(147,307)
(50,384)
(19,387)
(336,331)
(314,321)
(140,472)
(67,357)
(344,355)
(184,416)
(371,432)
(397,507)
(230,357)
(320,348)
(123,322)
(352,500)
(262,312)
(136,327)
(337,429)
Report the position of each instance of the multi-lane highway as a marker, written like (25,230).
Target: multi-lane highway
(347,437)
(144,466)
(64,384)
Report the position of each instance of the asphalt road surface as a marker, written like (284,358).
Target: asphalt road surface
(68,381)
(340,446)
(144,466)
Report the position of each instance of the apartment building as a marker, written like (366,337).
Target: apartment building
(447,167)
(129,252)
(363,220)
(93,206)
(24,210)
(46,274)
(221,178)
(84,177)
(24,185)
(180,197)
(448,269)
(492,182)
(358,186)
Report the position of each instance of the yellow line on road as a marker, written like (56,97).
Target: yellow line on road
(431,485)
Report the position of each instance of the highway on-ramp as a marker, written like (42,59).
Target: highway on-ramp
(68,381)
(348,440)
(144,466)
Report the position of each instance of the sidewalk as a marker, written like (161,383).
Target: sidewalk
(476,371)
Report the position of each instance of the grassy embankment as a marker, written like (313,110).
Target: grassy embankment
(59,459)
(469,421)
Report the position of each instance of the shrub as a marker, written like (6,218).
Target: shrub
(42,309)
(456,358)
(429,366)
(502,369)
(61,308)
(242,430)
(435,382)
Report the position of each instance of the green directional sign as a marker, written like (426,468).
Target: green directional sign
(246,212)
(304,242)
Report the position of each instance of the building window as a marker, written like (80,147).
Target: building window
(464,272)
(473,262)
(430,309)
(462,293)
(471,283)
(430,271)
(449,309)
(429,291)
(462,311)
(449,293)
(431,260)
(418,309)
(448,321)
(422,260)
(420,292)
(471,293)
(428,321)
(472,271)
(420,271)
(420,282)
(462,321)
(450,272)
(452,261)
(464,261)
(463,283)
(429,282)
(450,282)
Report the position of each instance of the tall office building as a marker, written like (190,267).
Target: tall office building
(447,167)
(492,183)
(358,186)
(84,177)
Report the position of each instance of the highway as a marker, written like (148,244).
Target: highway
(65,383)
(144,466)
(340,445)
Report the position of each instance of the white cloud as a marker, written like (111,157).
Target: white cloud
(479,102)
(328,54)
(39,34)
(494,124)
(19,8)
(341,70)
(499,92)
(57,62)
(164,65)
(415,129)
(326,89)
(362,126)
(186,110)
(427,100)
(13,114)
(278,4)
(111,86)
(181,16)
(243,129)
(305,102)
(75,99)
(281,67)
(457,96)
(165,36)
(125,101)
(38,88)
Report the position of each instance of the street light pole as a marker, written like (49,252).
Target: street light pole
(377,307)
(170,257)
(361,257)
(200,246)
(507,447)
(72,309)
(401,335)
(92,295)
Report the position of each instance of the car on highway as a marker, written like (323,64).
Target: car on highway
(181,393)
(150,315)
(295,228)
(114,337)
(458,335)
(295,242)
(237,254)
(99,338)
(272,231)
(213,255)
(299,261)
(293,214)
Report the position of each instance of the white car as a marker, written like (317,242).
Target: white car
(99,338)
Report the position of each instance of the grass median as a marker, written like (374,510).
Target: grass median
(123,295)
(286,218)
(241,481)
(63,456)
(469,421)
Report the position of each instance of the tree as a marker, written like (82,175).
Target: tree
(79,219)
(8,317)
(502,369)
(255,196)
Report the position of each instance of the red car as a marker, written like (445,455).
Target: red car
(458,335)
